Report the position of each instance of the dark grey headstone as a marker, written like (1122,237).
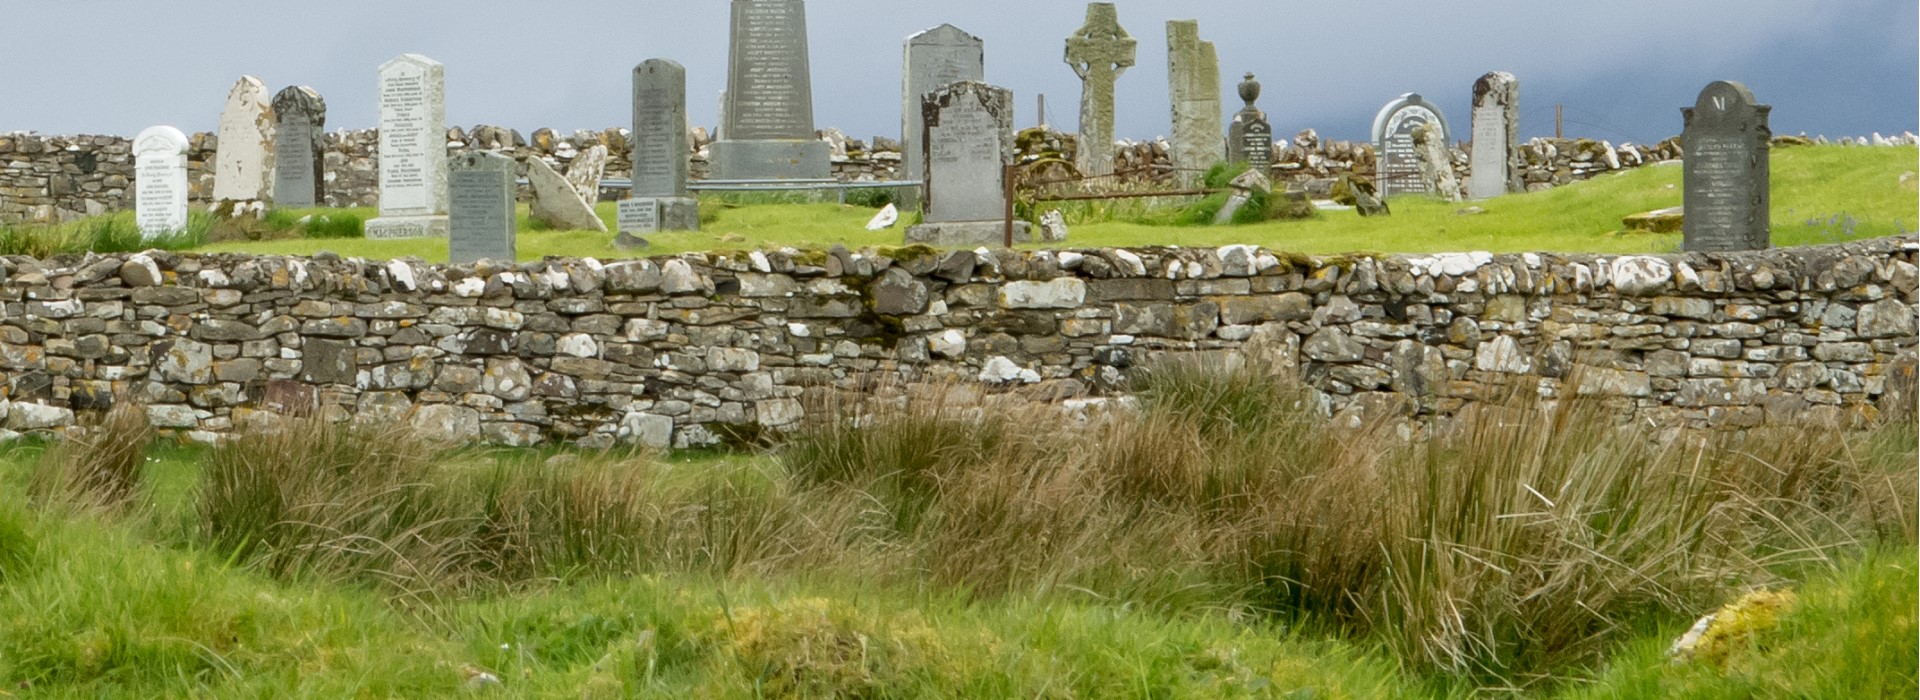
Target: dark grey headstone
(1250,136)
(299,148)
(1727,145)
(935,58)
(1398,167)
(481,218)
(660,147)
(769,85)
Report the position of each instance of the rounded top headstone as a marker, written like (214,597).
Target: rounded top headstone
(1250,90)
(163,139)
(1412,104)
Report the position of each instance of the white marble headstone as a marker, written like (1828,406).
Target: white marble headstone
(160,181)
(413,149)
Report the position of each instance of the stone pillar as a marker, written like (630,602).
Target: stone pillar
(1193,80)
(1499,167)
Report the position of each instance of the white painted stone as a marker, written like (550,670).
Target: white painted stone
(160,181)
(243,165)
(1063,293)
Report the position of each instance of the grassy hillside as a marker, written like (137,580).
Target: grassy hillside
(1820,195)
(1218,544)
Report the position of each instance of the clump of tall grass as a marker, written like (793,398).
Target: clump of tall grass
(113,233)
(335,501)
(98,470)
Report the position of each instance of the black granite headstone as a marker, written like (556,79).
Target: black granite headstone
(1727,172)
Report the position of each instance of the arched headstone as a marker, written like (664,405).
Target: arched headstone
(160,181)
(1727,145)
(1398,166)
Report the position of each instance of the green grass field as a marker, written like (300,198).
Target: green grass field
(1820,195)
(1219,544)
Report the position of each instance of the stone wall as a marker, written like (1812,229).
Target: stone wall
(687,350)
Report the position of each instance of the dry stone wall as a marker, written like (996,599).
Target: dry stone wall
(692,349)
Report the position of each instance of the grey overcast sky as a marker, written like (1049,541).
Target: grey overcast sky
(1622,68)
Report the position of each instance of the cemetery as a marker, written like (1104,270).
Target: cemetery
(989,407)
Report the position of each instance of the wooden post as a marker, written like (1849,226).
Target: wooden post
(1007,175)
(1559,118)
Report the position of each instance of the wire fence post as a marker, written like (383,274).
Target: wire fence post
(1007,177)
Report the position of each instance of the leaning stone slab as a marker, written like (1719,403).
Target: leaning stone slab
(555,202)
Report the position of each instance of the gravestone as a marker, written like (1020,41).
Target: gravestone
(243,165)
(1099,53)
(768,128)
(413,149)
(1727,173)
(1397,165)
(1250,137)
(160,181)
(299,148)
(1498,165)
(967,145)
(480,223)
(1193,79)
(935,58)
(586,171)
(660,152)
(556,203)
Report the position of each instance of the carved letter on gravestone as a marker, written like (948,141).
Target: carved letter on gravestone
(243,166)
(1398,167)
(1498,165)
(1727,144)
(299,148)
(935,58)
(660,151)
(481,223)
(1193,78)
(1099,53)
(413,149)
(160,181)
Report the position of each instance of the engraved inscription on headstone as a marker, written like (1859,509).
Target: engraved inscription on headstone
(1398,167)
(160,181)
(769,86)
(299,148)
(935,58)
(639,215)
(1099,53)
(413,149)
(1495,156)
(481,221)
(1727,144)
(1257,146)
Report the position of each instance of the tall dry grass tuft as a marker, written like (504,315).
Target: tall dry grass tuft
(99,470)
(337,501)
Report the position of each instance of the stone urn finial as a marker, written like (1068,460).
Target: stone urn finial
(1250,90)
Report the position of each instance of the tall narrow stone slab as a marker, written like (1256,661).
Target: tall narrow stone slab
(935,58)
(1099,53)
(967,143)
(299,148)
(1193,83)
(413,149)
(481,225)
(660,199)
(243,166)
(1398,169)
(160,181)
(1728,170)
(1250,136)
(768,129)
(1498,165)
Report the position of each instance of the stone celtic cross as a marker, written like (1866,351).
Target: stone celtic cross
(1099,53)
